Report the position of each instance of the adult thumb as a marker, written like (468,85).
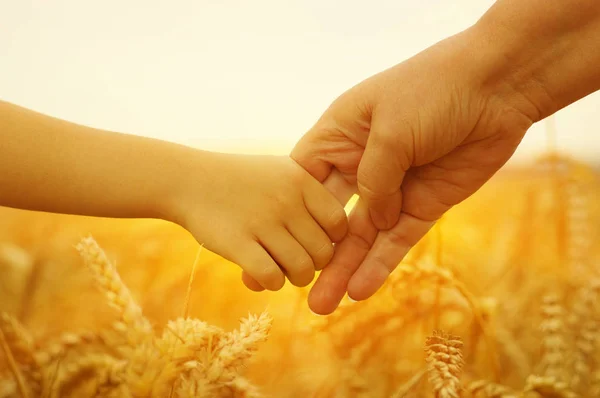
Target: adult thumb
(380,174)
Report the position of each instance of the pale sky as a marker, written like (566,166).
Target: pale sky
(229,75)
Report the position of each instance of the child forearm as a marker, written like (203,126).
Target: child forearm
(47,164)
(264,213)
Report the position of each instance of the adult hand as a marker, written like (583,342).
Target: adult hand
(420,137)
(412,141)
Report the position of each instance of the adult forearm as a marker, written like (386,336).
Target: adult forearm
(47,164)
(541,55)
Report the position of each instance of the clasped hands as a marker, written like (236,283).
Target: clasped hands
(411,141)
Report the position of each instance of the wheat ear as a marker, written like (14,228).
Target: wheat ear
(239,345)
(553,341)
(405,388)
(119,296)
(548,387)
(445,362)
(105,369)
(51,351)
(585,322)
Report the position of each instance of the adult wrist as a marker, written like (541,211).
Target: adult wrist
(538,56)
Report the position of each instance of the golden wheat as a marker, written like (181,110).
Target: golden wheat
(511,274)
(548,387)
(444,356)
(130,360)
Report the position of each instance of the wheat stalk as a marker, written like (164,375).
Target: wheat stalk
(404,389)
(17,338)
(13,366)
(18,347)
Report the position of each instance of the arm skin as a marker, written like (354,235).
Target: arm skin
(55,166)
(424,135)
(546,52)
(264,213)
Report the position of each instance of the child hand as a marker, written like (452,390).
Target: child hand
(264,213)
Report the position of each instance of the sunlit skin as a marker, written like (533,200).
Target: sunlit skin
(424,135)
(264,213)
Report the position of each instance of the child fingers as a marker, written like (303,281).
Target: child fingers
(290,255)
(339,186)
(326,210)
(251,283)
(258,265)
(314,240)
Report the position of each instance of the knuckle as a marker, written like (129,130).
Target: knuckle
(337,218)
(272,278)
(255,225)
(364,183)
(383,266)
(397,238)
(390,145)
(323,255)
(284,202)
(386,140)
(383,137)
(359,241)
(296,177)
(367,189)
(302,271)
(304,263)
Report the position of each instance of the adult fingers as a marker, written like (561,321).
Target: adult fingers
(332,283)
(338,137)
(389,249)
(429,191)
(308,153)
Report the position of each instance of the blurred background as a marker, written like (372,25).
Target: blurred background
(232,76)
(252,77)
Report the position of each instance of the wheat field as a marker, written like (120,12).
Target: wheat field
(499,300)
